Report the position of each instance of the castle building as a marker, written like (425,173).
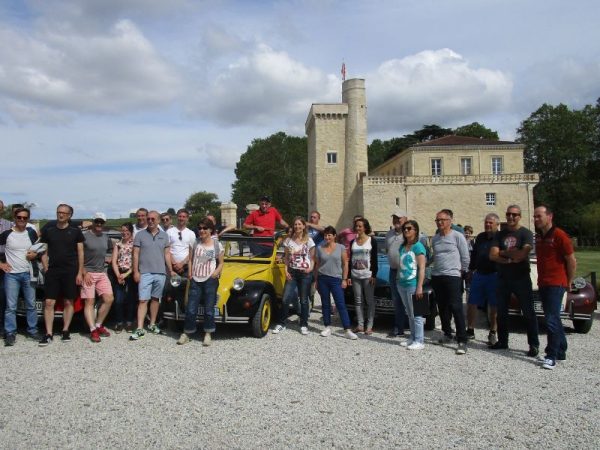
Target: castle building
(471,176)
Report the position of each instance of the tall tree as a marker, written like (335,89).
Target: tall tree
(476,130)
(203,203)
(275,166)
(561,145)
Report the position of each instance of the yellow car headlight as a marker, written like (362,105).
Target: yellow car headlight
(238,284)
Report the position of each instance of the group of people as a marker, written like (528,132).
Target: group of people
(495,266)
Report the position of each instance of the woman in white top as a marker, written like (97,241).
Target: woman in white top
(363,273)
(204,268)
(299,261)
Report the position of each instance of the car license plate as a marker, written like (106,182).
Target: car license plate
(201,311)
(539,309)
(383,303)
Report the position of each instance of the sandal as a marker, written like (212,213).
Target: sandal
(358,329)
(369,331)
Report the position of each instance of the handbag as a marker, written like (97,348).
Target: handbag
(421,306)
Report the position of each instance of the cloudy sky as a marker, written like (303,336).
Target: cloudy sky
(113,104)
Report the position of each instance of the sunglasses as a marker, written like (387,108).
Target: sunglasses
(200,228)
(22,218)
(151,219)
(179,235)
(441,220)
(407,228)
(513,214)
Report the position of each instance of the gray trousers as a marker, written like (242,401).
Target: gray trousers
(364,293)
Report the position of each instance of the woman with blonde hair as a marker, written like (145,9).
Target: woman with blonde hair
(299,261)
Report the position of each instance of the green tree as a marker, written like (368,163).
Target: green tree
(171,211)
(201,203)
(476,130)
(275,166)
(562,146)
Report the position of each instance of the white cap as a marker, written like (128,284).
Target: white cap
(399,213)
(100,216)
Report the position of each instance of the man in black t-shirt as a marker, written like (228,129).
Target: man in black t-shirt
(510,250)
(64,264)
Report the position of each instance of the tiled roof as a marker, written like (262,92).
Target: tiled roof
(461,140)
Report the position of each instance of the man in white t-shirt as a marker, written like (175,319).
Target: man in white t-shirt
(142,221)
(181,238)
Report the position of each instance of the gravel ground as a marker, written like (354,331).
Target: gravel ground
(290,390)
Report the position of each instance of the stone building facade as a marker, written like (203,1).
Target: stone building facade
(468,175)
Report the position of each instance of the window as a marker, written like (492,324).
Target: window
(490,199)
(397,201)
(331,157)
(497,168)
(465,166)
(436,167)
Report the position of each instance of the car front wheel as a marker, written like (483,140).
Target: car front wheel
(262,318)
(583,326)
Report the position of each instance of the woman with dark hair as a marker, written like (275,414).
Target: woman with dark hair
(125,287)
(363,270)
(411,275)
(331,274)
(204,268)
(299,259)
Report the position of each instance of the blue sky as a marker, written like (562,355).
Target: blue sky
(114,104)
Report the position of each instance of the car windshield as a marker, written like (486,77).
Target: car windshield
(247,246)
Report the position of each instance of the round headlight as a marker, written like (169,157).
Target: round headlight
(579,283)
(175,281)
(238,284)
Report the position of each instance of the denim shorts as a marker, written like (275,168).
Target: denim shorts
(151,286)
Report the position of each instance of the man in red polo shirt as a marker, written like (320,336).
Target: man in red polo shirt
(264,220)
(556,269)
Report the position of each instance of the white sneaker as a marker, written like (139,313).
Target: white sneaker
(326,332)
(406,343)
(183,339)
(348,334)
(416,346)
(304,330)
(207,340)
(278,329)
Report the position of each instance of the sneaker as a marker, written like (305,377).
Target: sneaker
(416,346)
(533,351)
(406,343)
(394,334)
(470,333)
(348,334)
(462,348)
(499,346)
(95,335)
(34,337)
(119,328)
(66,336)
(154,329)
(103,331)
(45,340)
(10,340)
(304,331)
(549,364)
(492,338)
(445,339)
(137,335)
(183,339)
(278,329)
(207,340)
(129,327)
(326,332)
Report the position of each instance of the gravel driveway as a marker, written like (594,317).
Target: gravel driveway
(295,391)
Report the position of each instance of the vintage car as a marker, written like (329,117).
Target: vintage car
(250,287)
(579,302)
(39,290)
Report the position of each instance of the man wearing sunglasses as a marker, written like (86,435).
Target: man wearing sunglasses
(17,242)
(165,221)
(180,240)
(510,251)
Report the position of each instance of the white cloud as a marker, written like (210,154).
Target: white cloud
(219,156)
(433,86)
(105,73)
(266,86)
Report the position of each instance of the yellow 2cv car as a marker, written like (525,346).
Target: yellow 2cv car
(250,286)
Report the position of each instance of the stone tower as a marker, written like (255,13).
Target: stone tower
(337,155)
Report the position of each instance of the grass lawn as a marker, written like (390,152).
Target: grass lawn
(588,261)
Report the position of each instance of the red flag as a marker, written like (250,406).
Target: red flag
(343,71)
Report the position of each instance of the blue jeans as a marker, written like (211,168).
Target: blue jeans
(332,286)
(2,301)
(551,297)
(125,300)
(301,281)
(399,308)
(521,287)
(13,283)
(416,323)
(205,293)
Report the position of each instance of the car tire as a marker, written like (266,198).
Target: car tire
(583,326)
(262,318)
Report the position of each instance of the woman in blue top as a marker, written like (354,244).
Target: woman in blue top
(411,275)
